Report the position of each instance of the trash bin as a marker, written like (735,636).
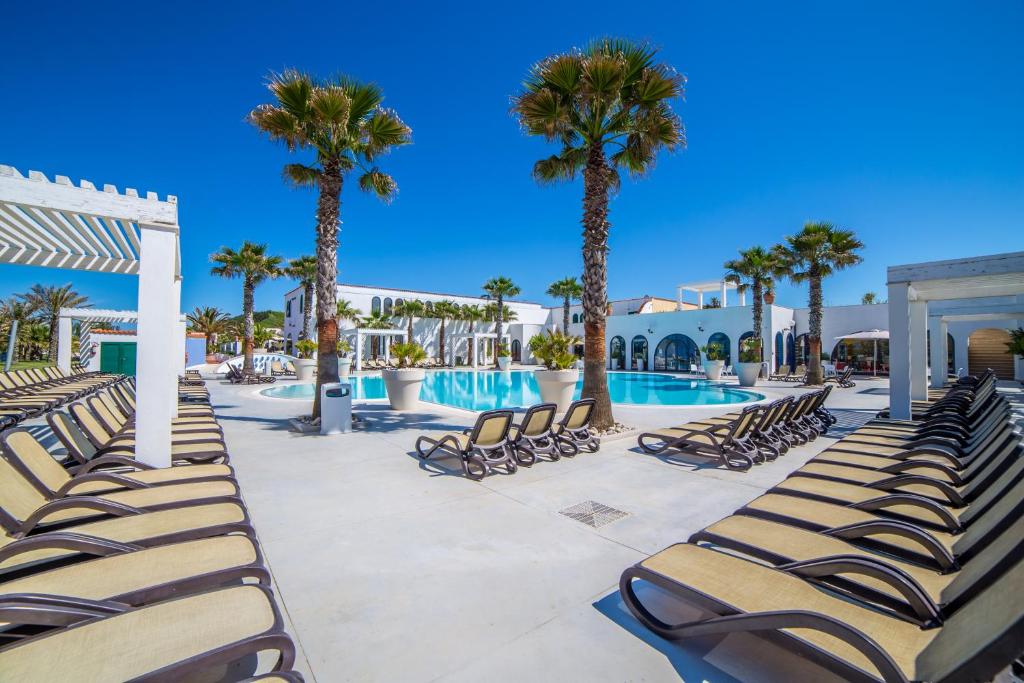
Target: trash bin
(336,408)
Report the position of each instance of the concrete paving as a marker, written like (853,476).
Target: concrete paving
(389,569)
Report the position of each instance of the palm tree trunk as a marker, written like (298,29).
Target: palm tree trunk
(472,342)
(54,321)
(497,328)
(814,374)
(408,330)
(758,318)
(249,326)
(307,310)
(595,286)
(440,343)
(565,316)
(328,213)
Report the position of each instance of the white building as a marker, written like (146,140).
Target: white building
(667,334)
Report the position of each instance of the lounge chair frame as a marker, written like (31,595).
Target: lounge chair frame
(478,460)
(735,452)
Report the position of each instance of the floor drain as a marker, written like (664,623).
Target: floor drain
(593,514)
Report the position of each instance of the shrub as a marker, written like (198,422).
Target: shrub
(1016,343)
(344,346)
(713,351)
(408,354)
(503,351)
(306,348)
(750,350)
(554,350)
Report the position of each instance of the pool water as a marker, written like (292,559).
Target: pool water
(488,390)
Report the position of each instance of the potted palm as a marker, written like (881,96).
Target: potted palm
(714,360)
(749,366)
(404,382)
(557,380)
(344,362)
(504,357)
(305,364)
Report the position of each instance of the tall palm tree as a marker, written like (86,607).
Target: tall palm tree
(211,321)
(609,107)
(253,265)
(410,309)
(47,302)
(755,270)
(568,290)
(303,269)
(15,310)
(472,314)
(342,121)
(498,288)
(444,310)
(376,321)
(810,256)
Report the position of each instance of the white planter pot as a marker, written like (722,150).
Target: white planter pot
(747,373)
(344,366)
(713,369)
(504,362)
(403,387)
(557,386)
(640,362)
(304,368)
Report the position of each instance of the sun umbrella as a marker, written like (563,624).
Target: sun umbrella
(873,335)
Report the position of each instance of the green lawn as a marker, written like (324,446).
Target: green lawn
(23,364)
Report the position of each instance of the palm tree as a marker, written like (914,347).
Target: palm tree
(342,121)
(609,107)
(376,321)
(869,298)
(472,314)
(568,290)
(261,335)
(47,302)
(15,310)
(755,270)
(346,311)
(410,309)
(303,269)
(253,265)
(212,322)
(810,256)
(444,310)
(35,339)
(498,288)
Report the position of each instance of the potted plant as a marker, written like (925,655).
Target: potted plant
(618,359)
(404,382)
(305,364)
(557,380)
(769,296)
(714,360)
(749,366)
(504,357)
(344,362)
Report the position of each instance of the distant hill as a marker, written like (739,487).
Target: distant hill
(265,318)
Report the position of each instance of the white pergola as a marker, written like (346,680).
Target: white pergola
(954,288)
(361,332)
(476,338)
(719,286)
(60,225)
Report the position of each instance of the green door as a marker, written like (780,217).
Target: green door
(118,357)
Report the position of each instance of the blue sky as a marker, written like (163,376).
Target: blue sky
(901,121)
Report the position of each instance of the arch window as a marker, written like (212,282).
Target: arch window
(791,352)
(399,301)
(388,306)
(780,350)
(575,317)
(676,352)
(375,305)
(747,335)
(723,339)
(517,350)
(618,352)
(639,353)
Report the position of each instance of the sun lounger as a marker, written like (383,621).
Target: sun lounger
(219,632)
(480,449)
(729,443)
(782,375)
(533,436)
(573,430)
(843,378)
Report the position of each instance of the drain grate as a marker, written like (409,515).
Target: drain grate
(593,514)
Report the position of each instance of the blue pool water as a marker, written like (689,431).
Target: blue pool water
(488,390)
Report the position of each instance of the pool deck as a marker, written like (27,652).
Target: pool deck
(391,569)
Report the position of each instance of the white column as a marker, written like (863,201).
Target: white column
(64,343)
(157,327)
(359,351)
(679,300)
(918,350)
(724,294)
(899,351)
(937,329)
(700,299)
(743,298)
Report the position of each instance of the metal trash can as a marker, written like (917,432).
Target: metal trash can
(336,408)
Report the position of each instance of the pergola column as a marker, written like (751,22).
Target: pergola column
(64,343)
(724,304)
(359,351)
(899,351)
(937,329)
(159,303)
(918,350)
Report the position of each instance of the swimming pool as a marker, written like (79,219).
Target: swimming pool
(487,390)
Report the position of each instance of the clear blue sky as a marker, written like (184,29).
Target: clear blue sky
(902,121)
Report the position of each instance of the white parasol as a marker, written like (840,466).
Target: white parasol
(874,335)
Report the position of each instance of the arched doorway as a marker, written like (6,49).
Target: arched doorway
(986,348)
(780,351)
(803,350)
(723,339)
(676,352)
(517,351)
(747,335)
(618,353)
(639,351)
(791,351)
